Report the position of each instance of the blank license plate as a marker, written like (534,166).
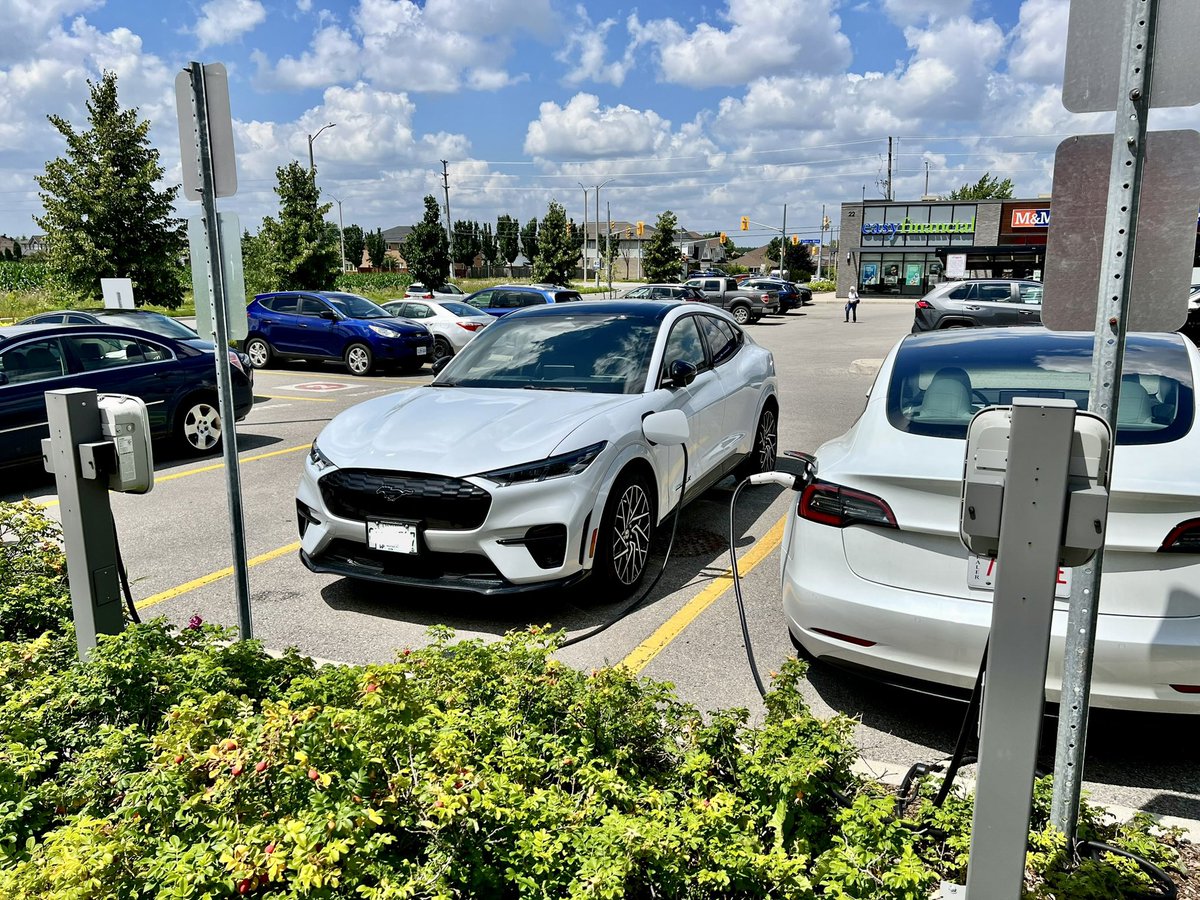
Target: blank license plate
(981,576)
(394,537)
(421,351)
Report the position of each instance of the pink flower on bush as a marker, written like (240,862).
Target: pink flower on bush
(195,622)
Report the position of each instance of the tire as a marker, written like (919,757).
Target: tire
(359,359)
(626,534)
(441,348)
(741,314)
(198,425)
(260,352)
(766,446)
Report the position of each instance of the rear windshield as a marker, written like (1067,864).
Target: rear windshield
(566,296)
(938,384)
(459,309)
(163,325)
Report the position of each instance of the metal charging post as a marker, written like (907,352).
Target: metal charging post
(87,523)
(1031,530)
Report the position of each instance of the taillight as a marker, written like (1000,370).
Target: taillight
(766,298)
(924,304)
(470,326)
(832,504)
(1183,538)
(236,362)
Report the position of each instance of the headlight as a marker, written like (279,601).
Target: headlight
(555,467)
(384,332)
(320,461)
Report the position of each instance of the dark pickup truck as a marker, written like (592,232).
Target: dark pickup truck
(744,305)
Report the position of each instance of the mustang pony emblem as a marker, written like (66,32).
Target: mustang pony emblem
(391,493)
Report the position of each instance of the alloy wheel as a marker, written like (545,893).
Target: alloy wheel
(631,534)
(768,441)
(202,426)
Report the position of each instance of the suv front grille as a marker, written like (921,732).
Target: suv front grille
(440,503)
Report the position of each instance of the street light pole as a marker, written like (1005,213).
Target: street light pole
(342,236)
(312,137)
(602,184)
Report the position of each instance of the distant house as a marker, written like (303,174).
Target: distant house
(393,237)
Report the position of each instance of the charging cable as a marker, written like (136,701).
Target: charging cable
(133,613)
(635,603)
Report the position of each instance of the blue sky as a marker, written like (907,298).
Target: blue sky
(713,110)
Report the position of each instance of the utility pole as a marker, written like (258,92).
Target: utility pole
(608,245)
(602,184)
(312,137)
(585,228)
(783,241)
(342,236)
(889,177)
(449,227)
(821,246)
(926,178)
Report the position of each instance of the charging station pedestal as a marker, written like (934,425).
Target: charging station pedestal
(1034,498)
(94,445)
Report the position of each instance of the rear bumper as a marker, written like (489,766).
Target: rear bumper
(940,639)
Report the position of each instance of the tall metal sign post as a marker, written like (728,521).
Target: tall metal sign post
(1153,38)
(209,171)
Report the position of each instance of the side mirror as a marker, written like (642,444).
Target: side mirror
(681,373)
(441,363)
(330,315)
(669,428)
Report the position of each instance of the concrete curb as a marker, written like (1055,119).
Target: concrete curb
(890,774)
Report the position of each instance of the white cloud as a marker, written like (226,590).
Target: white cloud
(27,22)
(225,21)
(332,57)
(582,129)
(765,37)
(913,12)
(1040,39)
(304,5)
(586,49)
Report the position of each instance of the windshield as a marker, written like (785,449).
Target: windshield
(460,309)
(603,354)
(938,385)
(353,306)
(155,324)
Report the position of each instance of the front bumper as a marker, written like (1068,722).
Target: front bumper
(940,640)
(493,557)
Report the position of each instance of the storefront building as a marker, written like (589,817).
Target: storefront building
(904,249)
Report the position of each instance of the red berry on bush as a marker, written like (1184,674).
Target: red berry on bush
(244,886)
(314,774)
(438,803)
(271,847)
(235,769)
(260,766)
(231,745)
(372,687)
(178,758)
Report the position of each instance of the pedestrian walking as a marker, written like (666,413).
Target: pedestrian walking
(852,305)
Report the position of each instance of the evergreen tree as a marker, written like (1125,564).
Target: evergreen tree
(508,233)
(529,239)
(556,253)
(465,246)
(798,264)
(356,242)
(426,249)
(304,256)
(16,248)
(376,249)
(488,246)
(8,254)
(985,188)
(104,218)
(660,253)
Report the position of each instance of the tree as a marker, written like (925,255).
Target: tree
(508,232)
(16,248)
(488,246)
(258,264)
(465,246)
(376,249)
(8,254)
(356,242)
(984,189)
(104,218)
(426,249)
(305,251)
(798,263)
(529,239)
(660,254)
(556,251)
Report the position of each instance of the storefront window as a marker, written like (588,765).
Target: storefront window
(898,274)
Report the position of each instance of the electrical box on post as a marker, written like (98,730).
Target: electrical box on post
(984,484)
(125,422)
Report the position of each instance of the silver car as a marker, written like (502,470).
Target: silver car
(988,302)
(451,323)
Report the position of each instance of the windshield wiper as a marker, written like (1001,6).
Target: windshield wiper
(549,387)
(443,384)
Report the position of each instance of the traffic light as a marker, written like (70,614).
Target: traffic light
(611,224)
(795,239)
(745,223)
(628,231)
(825,223)
(641,228)
(724,237)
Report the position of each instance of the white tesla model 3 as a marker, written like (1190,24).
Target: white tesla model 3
(875,577)
(523,464)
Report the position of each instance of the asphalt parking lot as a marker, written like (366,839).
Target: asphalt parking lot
(175,543)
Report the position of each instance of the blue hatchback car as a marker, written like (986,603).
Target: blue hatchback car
(505,298)
(329,325)
(176,378)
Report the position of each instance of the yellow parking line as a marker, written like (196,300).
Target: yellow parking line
(674,626)
(294,397)
(210,468)
(215,576)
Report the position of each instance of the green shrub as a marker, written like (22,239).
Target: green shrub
(23,277)
(182,764)
(359,282)
(821,287)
